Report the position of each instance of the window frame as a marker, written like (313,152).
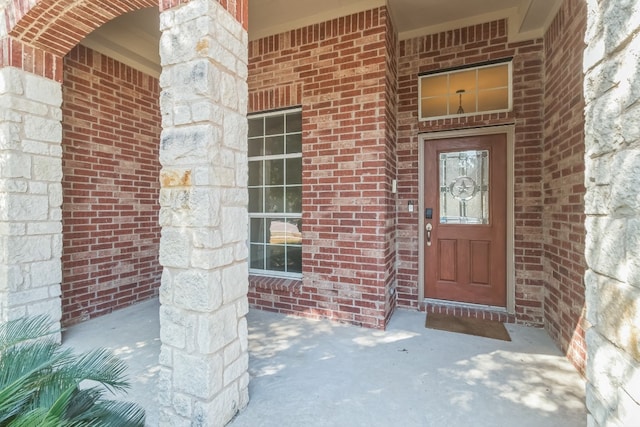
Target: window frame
(476,67)
(275,215)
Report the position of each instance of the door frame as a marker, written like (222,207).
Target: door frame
(423,138)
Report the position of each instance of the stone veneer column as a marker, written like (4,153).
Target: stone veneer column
(30,195)
(612,203)
(204,358)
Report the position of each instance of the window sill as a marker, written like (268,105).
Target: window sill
(275,284)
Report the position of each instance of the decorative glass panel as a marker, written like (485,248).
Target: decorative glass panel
(464,187)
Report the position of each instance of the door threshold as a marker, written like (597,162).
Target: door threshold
(463,309)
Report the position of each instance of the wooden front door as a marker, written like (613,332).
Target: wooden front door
(465,186)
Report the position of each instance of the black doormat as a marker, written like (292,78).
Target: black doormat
(467,325)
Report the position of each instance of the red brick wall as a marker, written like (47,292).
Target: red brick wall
(391,109)
(337,71)
(469,46)
(564,181)
(111,125)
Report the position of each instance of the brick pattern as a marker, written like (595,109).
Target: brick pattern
(337,70)
(452,309)
(464,47)
(55,27)
(111,125)
(14,53)
(391,108)
(563,218)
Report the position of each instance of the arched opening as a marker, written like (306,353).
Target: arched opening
(110,158)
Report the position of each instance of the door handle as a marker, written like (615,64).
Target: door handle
(429,227)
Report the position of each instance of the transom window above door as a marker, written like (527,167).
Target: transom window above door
(465,92)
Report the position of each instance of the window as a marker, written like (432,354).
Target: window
(482,89)
(275,193)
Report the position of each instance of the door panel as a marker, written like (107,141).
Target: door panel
(465,186)
(448,256)
(480,262)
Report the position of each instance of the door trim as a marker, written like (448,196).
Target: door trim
(509,131)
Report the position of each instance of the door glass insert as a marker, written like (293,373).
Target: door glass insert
(464,187)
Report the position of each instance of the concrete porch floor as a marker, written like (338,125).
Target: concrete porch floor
(320,373)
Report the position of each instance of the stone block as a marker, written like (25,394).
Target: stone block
(235,370)
(181,115)
(46,273)
(623,199)
(44,228)
(43,90)
(206,238)
(168,418)
(25,249)
(235,224)
(211,258)
(235,282)
(55,195)
(175,326)
(235,129)
(628,411)
(607,370)
(242,307)
(197,375)
(216,330)
(243,334)
(42,129)
(47,169)
(219,411)
(25,207)
(164,385)
(617,315)
(166,356)
(51,307)
(13,186)
(10,136)
(11,81)
(231,353)
(182,404)
(38,187)
(185,146)
(166,287)
(603,245)
(603,127)
(11,278)
(197,290)
(241,251)
(632,244)
(15,165)
(175,248)
(12,228)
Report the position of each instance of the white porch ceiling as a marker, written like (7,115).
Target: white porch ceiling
(133,38)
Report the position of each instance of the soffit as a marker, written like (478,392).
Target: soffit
(133,38)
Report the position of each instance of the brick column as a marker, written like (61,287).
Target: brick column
(30,195)
(612,204)
(204,379)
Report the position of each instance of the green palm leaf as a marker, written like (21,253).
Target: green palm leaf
(40,381)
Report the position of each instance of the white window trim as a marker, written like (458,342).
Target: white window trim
(261,272)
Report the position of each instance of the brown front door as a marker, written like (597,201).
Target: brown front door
(465,238)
